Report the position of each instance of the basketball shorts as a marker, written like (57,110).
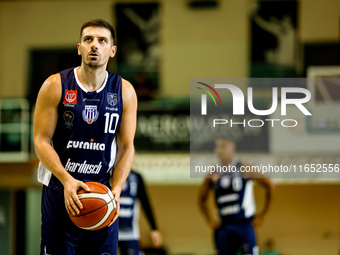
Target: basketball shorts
(233,238)
(60,236)
(129,247)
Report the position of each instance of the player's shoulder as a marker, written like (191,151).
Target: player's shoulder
(127,86)
(51,91)
(53,80)
(52,85)
(128,92)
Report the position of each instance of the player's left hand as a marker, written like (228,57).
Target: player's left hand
(116,196)
(157,239)
(258,219)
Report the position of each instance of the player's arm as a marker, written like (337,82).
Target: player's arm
(268,186)
(271,27)
(142,195)
(45,122)
(202,203)
(125,137)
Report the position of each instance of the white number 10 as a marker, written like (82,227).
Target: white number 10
(110,126)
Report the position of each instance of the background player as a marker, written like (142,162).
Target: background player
(84,126)
(133,193)
(235,203)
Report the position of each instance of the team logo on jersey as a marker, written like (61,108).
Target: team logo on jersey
(90,114)
(70,97)
(112,98)
(225,182)
(69,118)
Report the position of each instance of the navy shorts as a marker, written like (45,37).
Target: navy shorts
(129,247)
(59,235)
(233,238)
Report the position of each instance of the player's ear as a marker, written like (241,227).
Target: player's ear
(113,51)
(78,47)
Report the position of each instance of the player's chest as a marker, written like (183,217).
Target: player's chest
(88,109)
(229,185)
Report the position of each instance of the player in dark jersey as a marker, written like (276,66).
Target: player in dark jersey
(84,126)
(133,194)
(233,191)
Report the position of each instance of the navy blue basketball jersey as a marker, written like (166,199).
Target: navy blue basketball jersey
(129,208)
(133,194)
(85,135)
(234,197)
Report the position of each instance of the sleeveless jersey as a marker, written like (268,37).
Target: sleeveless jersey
(129,209)
(234,197)
(85,135)
(132,196)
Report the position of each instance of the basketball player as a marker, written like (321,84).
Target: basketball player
(84,126)
(233,192)
(132,195)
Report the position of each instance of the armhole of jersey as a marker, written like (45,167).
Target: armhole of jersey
(62,90)
(120,91)
(120,95)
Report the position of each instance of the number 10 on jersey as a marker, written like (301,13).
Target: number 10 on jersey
(111,121)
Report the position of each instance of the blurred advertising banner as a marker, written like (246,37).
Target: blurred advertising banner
(168,129)
(163,130)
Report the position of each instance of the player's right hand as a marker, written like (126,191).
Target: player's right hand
(72,202)
(156,237)
(116,195)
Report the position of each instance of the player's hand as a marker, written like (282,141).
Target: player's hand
(116,195)
(215,224)
(258,219)
(156,237)
(72,202)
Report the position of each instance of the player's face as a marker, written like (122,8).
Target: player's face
(96,46)
(224,150)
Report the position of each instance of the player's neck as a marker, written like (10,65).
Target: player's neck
(226,162)
(91,78)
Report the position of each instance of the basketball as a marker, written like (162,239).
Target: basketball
(99,207)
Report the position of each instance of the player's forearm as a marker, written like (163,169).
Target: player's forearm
(50,159)
(204,210)
(149,214)
(122,167)
(144,199)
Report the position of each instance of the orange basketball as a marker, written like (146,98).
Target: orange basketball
(99,207)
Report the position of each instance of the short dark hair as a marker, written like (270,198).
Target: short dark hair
(99,23)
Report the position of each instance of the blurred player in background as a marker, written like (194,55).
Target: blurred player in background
(233,191)
(84,126)
(134,193)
